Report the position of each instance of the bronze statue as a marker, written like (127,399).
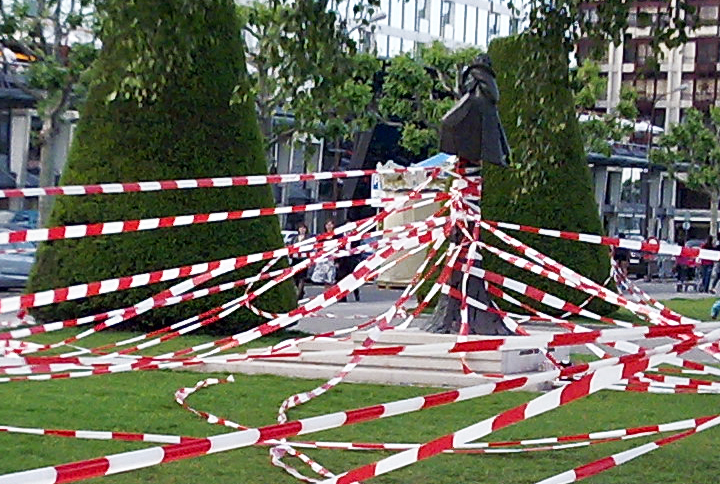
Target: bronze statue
(471,129)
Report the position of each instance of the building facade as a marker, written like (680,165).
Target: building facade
(457,23)
(684,77)
(670,83)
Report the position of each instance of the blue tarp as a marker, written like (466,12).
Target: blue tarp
(433,161)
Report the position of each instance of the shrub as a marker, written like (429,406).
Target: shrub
(539,112)
(190,130)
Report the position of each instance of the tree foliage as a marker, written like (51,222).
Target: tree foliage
(303,61)
(418,89)
(59,39)
(564,199)
(559,25)
(599,130)
(691,153)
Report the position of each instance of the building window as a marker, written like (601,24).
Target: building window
(644,54)
(423,9)
(493,24)
(706,51)
(629,52)
(708,15)
(645,88)
(687,94)
(632,19)
(447,9)
(646,17)
(589,49)
(705,89)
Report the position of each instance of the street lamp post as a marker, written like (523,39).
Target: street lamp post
(650,228)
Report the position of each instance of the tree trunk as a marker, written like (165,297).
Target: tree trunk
(47,169)
(20,203)
(714,200)
(361,145)
(336,167)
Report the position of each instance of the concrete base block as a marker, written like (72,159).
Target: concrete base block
(432,370)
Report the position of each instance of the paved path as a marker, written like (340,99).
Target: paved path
(667,290)
(374,301)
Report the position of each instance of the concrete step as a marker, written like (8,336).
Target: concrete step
(448,363)
(360,374)
(431,370)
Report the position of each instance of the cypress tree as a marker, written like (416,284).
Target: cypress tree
(552,187)
(188,130)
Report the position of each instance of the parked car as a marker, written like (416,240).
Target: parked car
(25,218)
(15,267)
(639,261)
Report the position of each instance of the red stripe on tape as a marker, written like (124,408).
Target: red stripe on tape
(280,431)
(509,417)
(81,470)
(510,384)
(594,468)
(435,447)
(363,414)
(187,449)
(576,390)
(440,399)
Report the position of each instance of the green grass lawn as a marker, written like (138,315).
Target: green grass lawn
(143,402)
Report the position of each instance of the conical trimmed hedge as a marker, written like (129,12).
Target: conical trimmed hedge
(563,197)
(189,131)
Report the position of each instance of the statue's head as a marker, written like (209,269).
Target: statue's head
(483,60)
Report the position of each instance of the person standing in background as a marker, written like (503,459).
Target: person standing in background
(706,266)
(299,278)
(622,256)
(325,270)
(716,269)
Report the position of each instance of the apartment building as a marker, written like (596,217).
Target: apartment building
(667,85)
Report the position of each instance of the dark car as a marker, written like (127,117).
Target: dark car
(640,261)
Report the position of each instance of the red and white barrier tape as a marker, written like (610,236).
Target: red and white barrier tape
(628,372)
(217,182)
(636,245)
(127,226)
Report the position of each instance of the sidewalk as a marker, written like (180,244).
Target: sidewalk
(667,290)
(375,301)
